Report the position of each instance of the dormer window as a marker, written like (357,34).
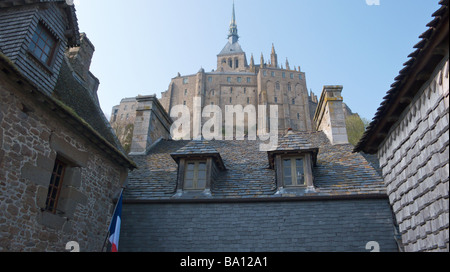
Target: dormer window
(43,45)
(198,166)
(293,162)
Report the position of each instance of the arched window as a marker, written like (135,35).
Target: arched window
(230,63)
(236,63)
(277,85)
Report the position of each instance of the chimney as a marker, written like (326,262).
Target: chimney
(80,57)
(330,117)
(152,123)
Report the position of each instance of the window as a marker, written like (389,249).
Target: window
(300,76)
(264,73)
(212,92)
(276,99)
(185,80)
(249,79)
(289,87)
(195,176)
(291,76)
(248,100)
(231,100)
(185,92)
(293,101)
(231,90)
(245,90)
(209,79)
(236,63)
(43,45)
(277,85)
(272,74)
(228,79)
(293,172)
(284,75)
(55,186)
(298,116)
(239,79)
(230,63)
(184,103)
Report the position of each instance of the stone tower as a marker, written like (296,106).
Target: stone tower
(235,82)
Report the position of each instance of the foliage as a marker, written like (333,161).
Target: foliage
(355,128)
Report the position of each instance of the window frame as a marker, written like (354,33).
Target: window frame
(38,31)
(55,174)
(293,169)
(195,178)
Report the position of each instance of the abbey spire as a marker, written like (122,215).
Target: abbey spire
(233,33)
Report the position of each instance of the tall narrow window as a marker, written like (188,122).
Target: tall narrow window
(43,45)
(55,186)
(293,172)
(195,176)
(236,63)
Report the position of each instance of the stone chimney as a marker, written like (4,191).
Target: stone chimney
(152,123)
(330,117)
(80,57)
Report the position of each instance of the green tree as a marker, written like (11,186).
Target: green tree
(355,128)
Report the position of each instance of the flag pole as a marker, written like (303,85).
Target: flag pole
(112,218)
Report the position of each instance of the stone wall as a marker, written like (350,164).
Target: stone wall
(32,136)
(415,163)
(339,225)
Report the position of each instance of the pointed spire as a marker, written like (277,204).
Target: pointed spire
(287,65)
(274,57)
(252,61)
(262,60)
(233,34)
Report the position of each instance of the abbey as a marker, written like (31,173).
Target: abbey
(237,82)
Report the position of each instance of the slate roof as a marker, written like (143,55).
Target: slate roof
(393,103)
(231,49)
(74,36)
(339,171)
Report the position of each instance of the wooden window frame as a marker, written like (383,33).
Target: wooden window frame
(39,33)
(293,169)
(52,187)
(308,179)
(195,178)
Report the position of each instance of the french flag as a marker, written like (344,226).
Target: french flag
(114,227)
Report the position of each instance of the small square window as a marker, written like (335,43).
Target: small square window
(229,79)
(264,73)
(291,76)
(249,79)
(239,79)
(185,80)
(272,74)
(284,75)
(209,79)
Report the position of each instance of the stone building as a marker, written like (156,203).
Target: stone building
(239,82)
(311,193)
(410,135)
(61,165)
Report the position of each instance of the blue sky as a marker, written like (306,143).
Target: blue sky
(142,44)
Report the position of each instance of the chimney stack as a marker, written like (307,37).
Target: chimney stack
(330,117)
(152,123)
